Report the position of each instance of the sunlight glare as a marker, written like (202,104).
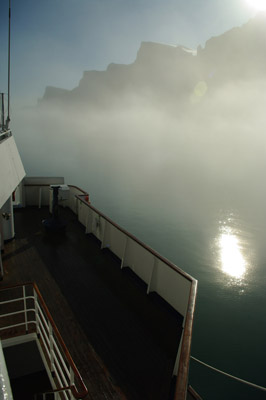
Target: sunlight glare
(233,262)
(259,5)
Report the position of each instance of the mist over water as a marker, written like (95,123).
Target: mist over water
(189,180)
(213,153)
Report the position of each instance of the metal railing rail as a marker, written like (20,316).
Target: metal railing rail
(173,284)
(29,313)
(142,244)
(5,134)
(43,190)
(56,393)
(189,308)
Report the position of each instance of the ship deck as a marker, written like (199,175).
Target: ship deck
(123,341)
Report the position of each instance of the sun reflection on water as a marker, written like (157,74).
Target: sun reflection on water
(232,260)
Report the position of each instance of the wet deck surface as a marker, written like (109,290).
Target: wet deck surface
(123,342)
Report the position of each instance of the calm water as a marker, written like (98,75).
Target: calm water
(203,207)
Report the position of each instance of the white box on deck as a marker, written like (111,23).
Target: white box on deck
(63,192)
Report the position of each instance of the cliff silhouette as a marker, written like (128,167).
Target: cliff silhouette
(173,74)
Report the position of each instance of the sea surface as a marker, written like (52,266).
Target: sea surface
(198,200)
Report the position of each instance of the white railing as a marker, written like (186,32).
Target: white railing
(36,190)
(160,275)
(5,134)
(52,394)
(23,311)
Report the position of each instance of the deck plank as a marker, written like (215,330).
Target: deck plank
(122,341)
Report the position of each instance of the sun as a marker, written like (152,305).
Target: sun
(259,5)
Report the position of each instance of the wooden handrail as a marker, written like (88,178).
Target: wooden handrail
(77,394)
(182,377)
(84,194)
(48,184)
(145,246)
(54,391)
(78,188)
(62,389)
(193,393)
(5,134)
(183,370)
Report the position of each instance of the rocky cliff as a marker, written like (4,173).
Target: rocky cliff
(171,73)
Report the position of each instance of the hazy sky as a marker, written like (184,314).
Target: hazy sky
(54,41)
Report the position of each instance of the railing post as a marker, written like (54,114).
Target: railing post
(51,347)
(124,253)
(76,206)
(25,308)
(153,276)
(1,264)
(72,377)
(36,312)
(88,217)
(72,381)
(103,234)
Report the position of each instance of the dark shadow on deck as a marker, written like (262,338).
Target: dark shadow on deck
(135,334)
(26,371)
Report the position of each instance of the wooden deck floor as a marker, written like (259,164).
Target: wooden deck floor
(123,342)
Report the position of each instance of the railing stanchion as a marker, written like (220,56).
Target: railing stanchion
(25,308)
(72,381)
(36,312)
(51,347)
(62,368)
(72,377)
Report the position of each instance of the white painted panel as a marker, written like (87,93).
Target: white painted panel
(72,202)
(172,286)
(11,169)
(115,240)
(167,282)
(32,195)
(139,260)
(82,212)
(37,189)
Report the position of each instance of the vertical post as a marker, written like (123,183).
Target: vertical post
(1,247)
(76,206)
(103,234)
(153,276)
(51,347)
(178,354)
(2,112)
(124,253)
(25,308)
(87,221)
(36,312)
(1,264)
(72,378)
(8,103)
